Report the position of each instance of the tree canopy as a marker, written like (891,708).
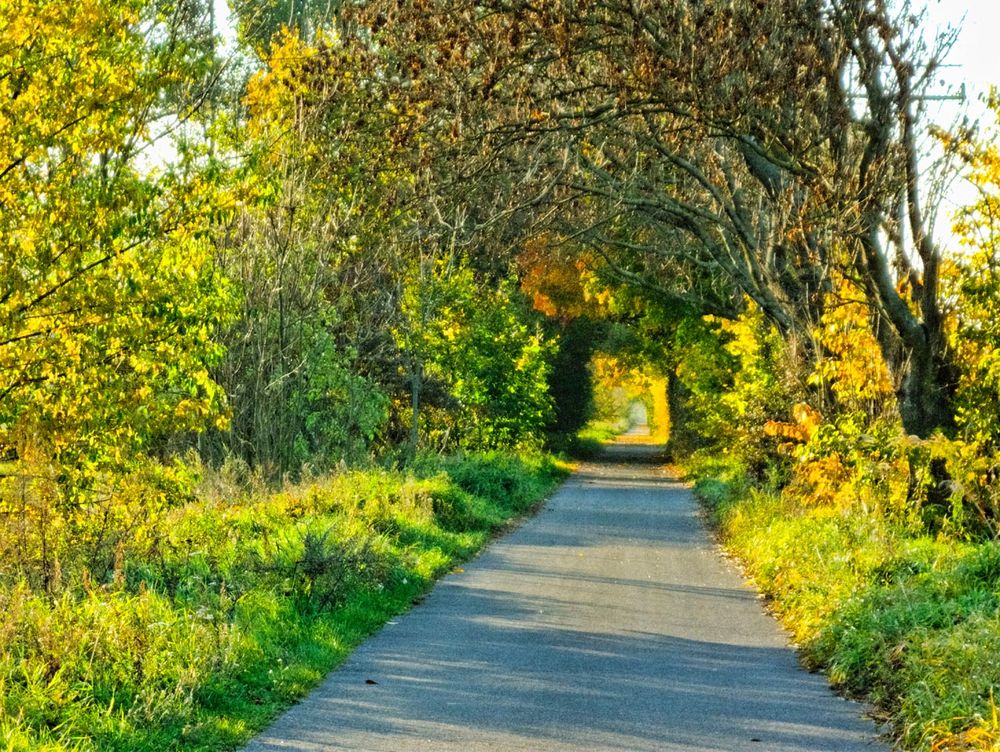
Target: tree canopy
(382,233)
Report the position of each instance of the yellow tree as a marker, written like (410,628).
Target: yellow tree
(976,283)
(108,299)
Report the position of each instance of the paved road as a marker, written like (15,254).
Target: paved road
(608,622)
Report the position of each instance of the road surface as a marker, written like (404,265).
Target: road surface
(608,622)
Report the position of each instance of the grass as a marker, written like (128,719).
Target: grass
(589,442)
(910,622)
(242,605)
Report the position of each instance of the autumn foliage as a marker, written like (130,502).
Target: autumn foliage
(235,268)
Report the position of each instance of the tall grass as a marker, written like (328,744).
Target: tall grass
(241,605)
(909,621)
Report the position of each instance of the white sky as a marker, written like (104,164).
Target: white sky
(225,24)
(976,60)
(976,52)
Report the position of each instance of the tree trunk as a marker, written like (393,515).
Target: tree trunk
(925,401)
(416,386)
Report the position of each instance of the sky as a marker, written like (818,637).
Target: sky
(975,55)
(975,61)
(225,23)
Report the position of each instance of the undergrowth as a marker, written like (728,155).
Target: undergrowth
(242,604)
(589,441)
(908,621)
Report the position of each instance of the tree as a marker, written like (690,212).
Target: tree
(261,21)
(478,341)
(310,361)
(108,297)
(709,152)
(974,284)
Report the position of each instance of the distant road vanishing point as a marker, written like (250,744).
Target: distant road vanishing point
(608,622)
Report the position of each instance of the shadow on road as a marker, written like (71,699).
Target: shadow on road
(608,623)
(634,452)
(585,689)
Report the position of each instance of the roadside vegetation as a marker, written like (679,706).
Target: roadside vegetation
(218,614)
(876,548)
(293,303)
(903,619)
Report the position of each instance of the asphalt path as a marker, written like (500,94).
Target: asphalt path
(607,622)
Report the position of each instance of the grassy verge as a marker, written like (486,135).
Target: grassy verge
(589,442)
(912,623)
(242,605)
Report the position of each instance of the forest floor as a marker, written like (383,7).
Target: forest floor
(610,621)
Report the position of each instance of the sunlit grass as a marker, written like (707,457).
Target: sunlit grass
(910,623)
(245,605)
